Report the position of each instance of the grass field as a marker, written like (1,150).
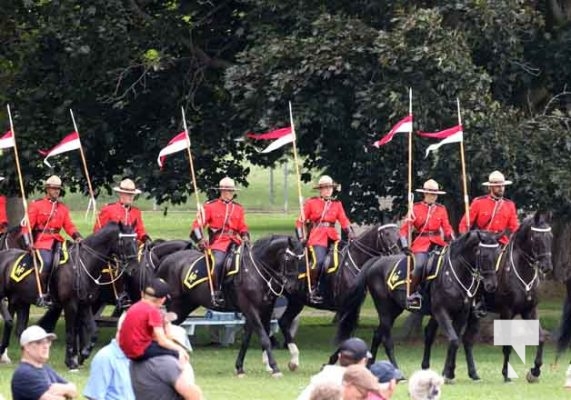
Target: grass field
(214,365)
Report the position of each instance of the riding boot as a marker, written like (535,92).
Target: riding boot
(218,297)
(414,300)
(123,301)
(479,308)
(315,295)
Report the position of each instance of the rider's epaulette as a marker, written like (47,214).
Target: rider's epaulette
(481,197)
(211,201)
(439,205)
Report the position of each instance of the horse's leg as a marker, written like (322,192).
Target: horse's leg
(533,374)
(285,322)
(8,325)
(243,349)
(387,325)
(506,314)
(468,340)
(445,323)
(22,318)
(253,316)
(429,336)
(49,320)
(71,356)
(87,333)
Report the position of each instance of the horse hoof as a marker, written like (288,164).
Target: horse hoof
(5,359)
(507,380)
(476,378)
(268,368)
(73,370)
(277,375)
(449,381)
(240,374)
(292,366)
(531,378)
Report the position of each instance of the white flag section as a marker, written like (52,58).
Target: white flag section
(454,138)
(178,143)
(7,140)
(68,143)
(276,144)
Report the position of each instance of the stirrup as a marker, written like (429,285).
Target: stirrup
(414,302)
(479,310)
(123,301)
(44,301)
(315,297)
(218,298)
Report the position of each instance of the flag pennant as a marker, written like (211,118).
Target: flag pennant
(451,135)
(7,140)
(178,143)
(282,137)
(404,125)
(441,134)
(68,143)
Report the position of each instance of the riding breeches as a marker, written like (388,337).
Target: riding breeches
(218,267)
(47,259)
(420,260)
(318,257)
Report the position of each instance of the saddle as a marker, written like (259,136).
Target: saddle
(24,265)
(330,262)
(396,279)
(197,273)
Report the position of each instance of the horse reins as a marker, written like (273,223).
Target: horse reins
(475,273)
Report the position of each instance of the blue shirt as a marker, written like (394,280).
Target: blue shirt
(30,382)
(109,377)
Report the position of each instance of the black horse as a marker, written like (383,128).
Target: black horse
(74,285)
(465,264)
(378,240)
(565,331)
(526,258)
(12,239)
(266,270)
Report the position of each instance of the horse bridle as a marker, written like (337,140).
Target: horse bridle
(369,251)
(476,273)
(532,260)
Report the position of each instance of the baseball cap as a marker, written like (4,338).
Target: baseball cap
(360,376)
(158,288)
(385,371)
(354,348)
(33,333)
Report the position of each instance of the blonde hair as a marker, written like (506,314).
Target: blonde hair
(326,391)
(425,385)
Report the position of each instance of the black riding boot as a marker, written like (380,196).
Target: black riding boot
(315,295)
(414,300)
(218,298)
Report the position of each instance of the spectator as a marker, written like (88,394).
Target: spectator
(143,335)
(425,385)
(34,379)
(163,377)
(351,351)
(326,391)
(388,376)
(109,377)
(360,384)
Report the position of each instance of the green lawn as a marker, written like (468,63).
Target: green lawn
(214,366)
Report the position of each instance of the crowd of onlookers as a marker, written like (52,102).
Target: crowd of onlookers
(148,359)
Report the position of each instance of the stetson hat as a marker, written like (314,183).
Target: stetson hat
(127,186)
(53,182)
(326,182)
(496,178)
(227,183)
(431,187)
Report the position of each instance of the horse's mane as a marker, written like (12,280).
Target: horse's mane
(260,247)
(100,237)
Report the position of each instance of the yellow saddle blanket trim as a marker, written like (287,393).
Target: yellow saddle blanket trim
(191,278)
(394,279)
(235,267)
(20,272)
(329,268)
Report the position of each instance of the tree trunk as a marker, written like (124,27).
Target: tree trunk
(14,211)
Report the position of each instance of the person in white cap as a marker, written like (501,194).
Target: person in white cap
(226,223)
(431,227)
(48,216)
(493,213)
(124,211)
(321,213)
(33,379)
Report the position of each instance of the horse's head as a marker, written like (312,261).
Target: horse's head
(379,240)
(481,250)
(535,239)
(281,254)
(116,240)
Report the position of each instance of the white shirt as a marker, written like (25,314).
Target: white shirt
(329,374)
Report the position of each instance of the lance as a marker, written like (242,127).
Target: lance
(25,204)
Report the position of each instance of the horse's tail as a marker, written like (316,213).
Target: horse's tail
(347,315)
(565,329)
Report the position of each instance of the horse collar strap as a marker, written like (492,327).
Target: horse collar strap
(489,246)
(533,228)
(127,235)
(380,228)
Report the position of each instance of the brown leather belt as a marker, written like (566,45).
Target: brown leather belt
(324,225)
(48,230)
(430,233)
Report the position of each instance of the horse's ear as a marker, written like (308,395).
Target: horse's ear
(537,218)
(290,242)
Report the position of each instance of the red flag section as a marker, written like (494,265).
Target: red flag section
(178,143)
(441,134)
(7,140)
(404,125)
(68,143)
(275,134)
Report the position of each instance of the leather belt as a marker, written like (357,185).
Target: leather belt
(48,230)
(324,225)
(430,233)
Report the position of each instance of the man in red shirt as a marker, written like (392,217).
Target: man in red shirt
(143,335)
(48,216)
(431,227)
(493,212)
(124,211)
(226,223)
(321,213)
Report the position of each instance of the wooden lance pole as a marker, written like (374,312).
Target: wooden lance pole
(410,197)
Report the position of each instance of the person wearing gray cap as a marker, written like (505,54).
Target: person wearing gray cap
(33,379)
(351,352)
